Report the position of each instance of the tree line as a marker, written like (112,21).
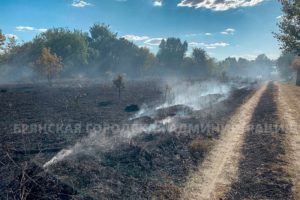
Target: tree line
(289,38)
(60,52)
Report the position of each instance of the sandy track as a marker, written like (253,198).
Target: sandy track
(289,113)
(219,170)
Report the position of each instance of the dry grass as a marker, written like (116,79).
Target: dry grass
(261,174)
(289,113)
(215,175)
(171,156)
(167,191)
(199,147)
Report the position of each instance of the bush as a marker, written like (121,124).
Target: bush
(199,147)
(167,191)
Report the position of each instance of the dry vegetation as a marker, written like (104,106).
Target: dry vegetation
(213,178)
(199,147)
(261,169)
(152,164)
(287,100)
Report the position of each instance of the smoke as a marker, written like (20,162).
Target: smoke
(192,94)
(179,97)
(59,157)
(104,140)
(94,139)
(12,74)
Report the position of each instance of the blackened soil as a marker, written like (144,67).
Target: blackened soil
(261,168)
(41,104)
(151,166)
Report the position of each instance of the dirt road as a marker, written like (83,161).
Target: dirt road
(262,173)
(256,156)
(214,177)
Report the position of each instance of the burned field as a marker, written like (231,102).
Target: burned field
(151,161)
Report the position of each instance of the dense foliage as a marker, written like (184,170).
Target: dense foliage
(290,26)
(48,64)
(101,53)
(289,36)
(284,66)
(2,38)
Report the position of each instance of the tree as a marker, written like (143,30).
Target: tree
(149,59)
(171,52)
(284,65)
(243,64)
(109,53)
(100,32)
(230,65)
(201,60)
(263,65)
(104,46)
(289,26)
(12,43)
(2,39)
(296,66)
(48,64)
(138,60)
(71,46)
(213,67)
(10,51)
(129,58)
(119,84)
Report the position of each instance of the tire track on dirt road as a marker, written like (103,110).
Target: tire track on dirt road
(289,113)
(262,172)
(219,170)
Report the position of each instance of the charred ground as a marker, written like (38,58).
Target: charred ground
(149,165)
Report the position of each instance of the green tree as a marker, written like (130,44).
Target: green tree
(284,65)
(22,55)
(189,68)
(131,59)
(289,26)
(296,65)
(243,63)
(71,46)
(213,67)
(263,65)
(202,62)
(171,52)
(48,65)
(2,39)
(149,59)
(230,66)
(104,46)
(118,55)
(12,43)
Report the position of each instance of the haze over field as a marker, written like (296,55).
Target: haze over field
(149,99)
(103,38)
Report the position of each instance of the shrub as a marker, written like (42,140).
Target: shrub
(119,84)
(167,191)
(199,147)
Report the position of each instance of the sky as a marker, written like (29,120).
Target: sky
(236,28)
